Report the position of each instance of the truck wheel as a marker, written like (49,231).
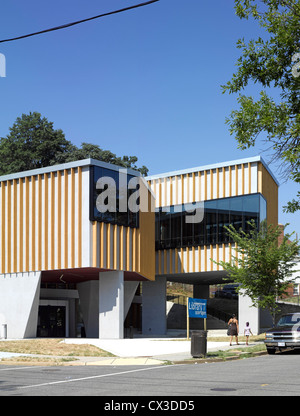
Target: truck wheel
(271,351)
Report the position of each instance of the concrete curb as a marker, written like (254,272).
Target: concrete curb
(132,361)
(83,361)
(207,360)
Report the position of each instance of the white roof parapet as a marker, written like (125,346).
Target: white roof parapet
(214,166)
(69,165)
(94,162)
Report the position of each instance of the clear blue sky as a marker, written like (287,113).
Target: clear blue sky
(145,82)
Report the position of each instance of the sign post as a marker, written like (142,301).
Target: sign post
(187,319)
(195,308)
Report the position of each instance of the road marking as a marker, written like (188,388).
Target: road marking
(99,376)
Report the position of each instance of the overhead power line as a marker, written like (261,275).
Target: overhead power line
(79,21)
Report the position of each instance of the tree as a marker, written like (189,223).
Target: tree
(273,64)
(88,150)
(261,266)
(33,143)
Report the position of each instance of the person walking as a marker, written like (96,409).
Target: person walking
(233,329)
(247,332)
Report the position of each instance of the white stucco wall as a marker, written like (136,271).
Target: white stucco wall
(19,303)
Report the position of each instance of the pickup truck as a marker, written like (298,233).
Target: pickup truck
(285,335)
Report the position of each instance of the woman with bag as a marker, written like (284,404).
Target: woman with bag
(233,329)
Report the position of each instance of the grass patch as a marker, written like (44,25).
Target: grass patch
(253,338)
(241,352)
(52,347)
(38,360)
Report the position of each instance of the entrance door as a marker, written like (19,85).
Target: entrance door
(52,321)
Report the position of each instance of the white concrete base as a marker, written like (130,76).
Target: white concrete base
(154,319)
(89,305)
(248,313)
(105,304)
(19,303)
(111,305)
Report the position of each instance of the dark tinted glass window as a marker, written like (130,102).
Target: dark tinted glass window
(118,212)
(176,229)
(172,231)
(165,229)
(199,233)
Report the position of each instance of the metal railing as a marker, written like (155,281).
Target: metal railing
(216,313)
(178,299)
(219,314)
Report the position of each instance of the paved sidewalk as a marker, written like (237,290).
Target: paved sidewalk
(152,350)
(140,351)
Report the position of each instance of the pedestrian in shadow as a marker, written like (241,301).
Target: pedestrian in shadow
(233,329)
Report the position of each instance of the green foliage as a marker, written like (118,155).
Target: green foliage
(261,266)
(33,143)
(268,62)
(88,150)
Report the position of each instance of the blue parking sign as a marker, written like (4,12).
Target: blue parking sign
(197,308)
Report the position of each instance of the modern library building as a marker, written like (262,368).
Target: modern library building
(87,248)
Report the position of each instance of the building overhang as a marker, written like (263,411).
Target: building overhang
(79,275)
(200,278)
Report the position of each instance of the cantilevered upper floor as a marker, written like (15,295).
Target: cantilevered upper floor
(228,193)
(49,222)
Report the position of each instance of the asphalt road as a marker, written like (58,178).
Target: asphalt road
(261,376)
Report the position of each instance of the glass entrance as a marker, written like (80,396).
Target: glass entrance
(52,321)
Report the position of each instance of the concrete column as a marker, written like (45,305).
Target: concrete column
(101,304)
(72,323)
(89,305)
(201,291)
(111,305)
(19,303)
(248,313)
(154,319)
